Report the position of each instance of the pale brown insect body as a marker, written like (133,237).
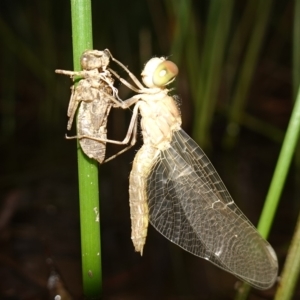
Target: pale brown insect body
(95,95)
(92,116)
(175,187)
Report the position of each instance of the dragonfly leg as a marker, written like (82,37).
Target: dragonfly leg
(132,143)
(72,74)
(125,82)
(73,104)
(132,76)
(124,104)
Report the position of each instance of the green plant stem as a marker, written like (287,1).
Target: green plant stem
(290,273)
(279,176)
(87,169)
(281,171)
(296,47)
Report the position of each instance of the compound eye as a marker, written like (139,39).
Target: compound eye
(164,73)
(86,61)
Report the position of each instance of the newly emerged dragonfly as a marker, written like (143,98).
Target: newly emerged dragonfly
(175,187)
(96,95)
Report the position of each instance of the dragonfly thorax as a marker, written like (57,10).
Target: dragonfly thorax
(160,118)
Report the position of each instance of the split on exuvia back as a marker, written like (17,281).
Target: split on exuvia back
(174,186)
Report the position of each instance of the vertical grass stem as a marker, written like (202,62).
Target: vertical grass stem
(87,169)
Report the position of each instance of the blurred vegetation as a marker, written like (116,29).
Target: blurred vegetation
(216,45)
(238,63)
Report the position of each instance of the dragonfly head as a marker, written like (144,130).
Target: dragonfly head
(159,72)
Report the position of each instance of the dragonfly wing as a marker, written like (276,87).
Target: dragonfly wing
(190,206)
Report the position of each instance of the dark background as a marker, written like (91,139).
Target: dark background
(39,217)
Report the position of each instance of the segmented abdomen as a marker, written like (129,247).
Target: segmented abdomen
(92,121)
(142,164)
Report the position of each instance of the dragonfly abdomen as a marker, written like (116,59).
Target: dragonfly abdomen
(142,164)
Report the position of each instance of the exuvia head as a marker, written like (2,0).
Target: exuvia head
(94,59)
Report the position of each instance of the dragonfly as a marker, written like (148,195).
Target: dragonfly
(174,186)
(95,95)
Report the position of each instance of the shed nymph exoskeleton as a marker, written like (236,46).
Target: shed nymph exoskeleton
(95,95)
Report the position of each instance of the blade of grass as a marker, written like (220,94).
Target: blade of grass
(279,177)
(87,169)
(238,42)
(184,47)
(264,128)
(181,12)
(296,47)
(290,273)
(264,8)
(281,171)
(219,21)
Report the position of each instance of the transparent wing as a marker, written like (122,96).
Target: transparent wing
(190,206)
